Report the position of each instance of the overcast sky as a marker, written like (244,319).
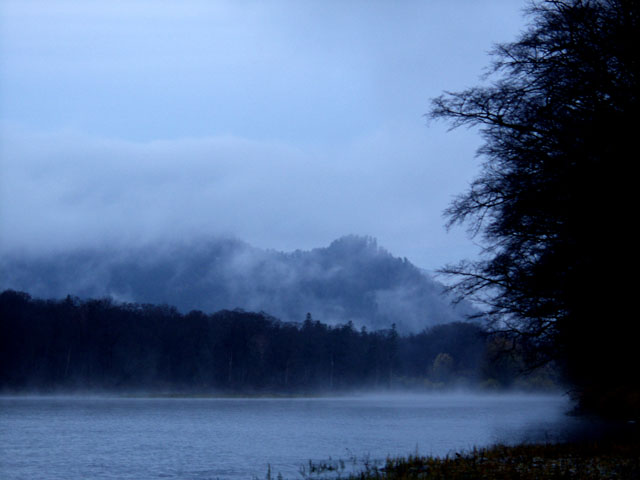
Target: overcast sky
(283,123)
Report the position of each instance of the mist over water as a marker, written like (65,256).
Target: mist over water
(233,438)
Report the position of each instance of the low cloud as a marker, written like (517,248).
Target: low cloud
(64,190)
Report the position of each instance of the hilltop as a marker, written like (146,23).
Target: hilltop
(352,279)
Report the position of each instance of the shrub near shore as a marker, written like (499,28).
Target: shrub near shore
(609,460)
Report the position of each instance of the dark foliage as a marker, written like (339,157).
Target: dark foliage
(65,345)
(553,201)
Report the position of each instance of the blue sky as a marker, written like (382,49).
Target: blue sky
(284,123)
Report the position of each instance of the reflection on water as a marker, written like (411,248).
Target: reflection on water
(73,437)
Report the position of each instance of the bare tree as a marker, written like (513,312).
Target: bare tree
(553,204)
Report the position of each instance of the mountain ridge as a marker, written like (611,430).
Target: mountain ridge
(352,279)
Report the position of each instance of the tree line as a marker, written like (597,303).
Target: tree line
(99,344)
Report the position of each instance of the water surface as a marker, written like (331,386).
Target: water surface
(157,438)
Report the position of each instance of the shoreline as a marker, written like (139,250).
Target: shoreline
(358,393)
(608,459)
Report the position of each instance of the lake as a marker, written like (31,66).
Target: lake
(163,438)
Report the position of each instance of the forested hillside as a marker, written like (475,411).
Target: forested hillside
(96,345)
(351,280)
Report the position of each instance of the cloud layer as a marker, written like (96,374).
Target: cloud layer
(65,189)
(286,124)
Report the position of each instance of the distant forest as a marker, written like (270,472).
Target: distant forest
(96,345)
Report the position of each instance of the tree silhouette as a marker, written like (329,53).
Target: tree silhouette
(552,202)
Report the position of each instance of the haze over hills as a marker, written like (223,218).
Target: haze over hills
(353,279)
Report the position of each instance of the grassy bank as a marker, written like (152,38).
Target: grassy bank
(596,460)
